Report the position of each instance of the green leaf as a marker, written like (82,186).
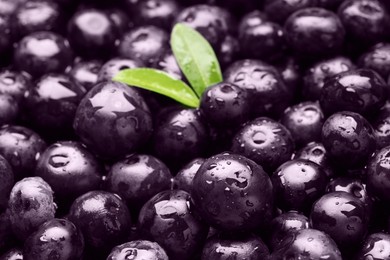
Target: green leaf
(160,82)
(195,57)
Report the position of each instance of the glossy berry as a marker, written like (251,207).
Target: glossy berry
(113,66)
(314,31)
(269,94)
(137,178)
(6,182)
(377,59)
(304,121)
(138,250)
(264,141)
(233,193)
(308,244)
(103,219)
(30,205)
(168,219)
(14,83)
(144,43)
(375,246)
(70,169)
(113,120)
(342,216)
(297,184)
(156,12)
(85,73)
(56,238)
(181,136)
(265,41)
(284,224)
(249,247)
(21,147)
(225,104)
(36,15)
(213,22)
(348,138)
(362,91)
(51,105)
(43,52)
(364,20)
(378,181)
(92,33)
(317,74)
(280,10)
(184,178)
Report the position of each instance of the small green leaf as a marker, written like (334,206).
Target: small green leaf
(160,82)
(195,57)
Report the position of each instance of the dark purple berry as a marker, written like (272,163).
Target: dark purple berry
(184,178)
(113,120)
(56,239)
(30,205)
(264,141)
(86,73)
(233,193)
(168,219)
(138,250)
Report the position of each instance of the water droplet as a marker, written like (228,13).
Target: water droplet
(212,166)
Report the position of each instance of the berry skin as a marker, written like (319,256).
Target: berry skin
(314,32)
(40,53)
(225,104)
(375,246)
(378,182)
(113,120)
(362,91)
(30,205)
(264,141)
(56,238)
(377,59)
(233,193)
(168,219)
(85,73)
(92,33)
(342,216)
(6,183)
(348,138)
(102,217)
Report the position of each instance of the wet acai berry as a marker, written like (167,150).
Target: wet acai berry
(85,73)
(103,219)
(70,169)
(314,32)
(362,91)
(144,43)
(348,138)
(43,52)
(269,94)
(297,184)
(264,141)
(168,218)
(225,104)
(375,246)
(342,216)
(137,178)
(30,205)
(21,147)
(113,120)
(55,239)
(233,193)
(284,224)
(184,178)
